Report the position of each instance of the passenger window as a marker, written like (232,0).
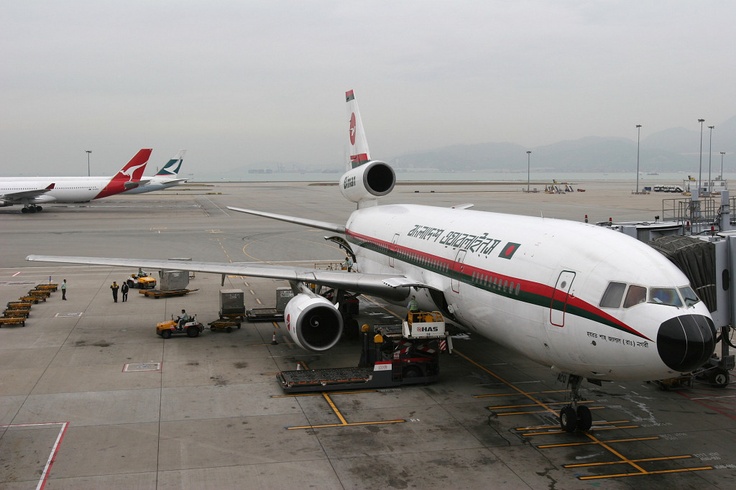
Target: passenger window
(613,295)
(689,296)
(634,296)
(664,296)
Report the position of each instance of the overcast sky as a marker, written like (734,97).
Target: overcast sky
(258,82)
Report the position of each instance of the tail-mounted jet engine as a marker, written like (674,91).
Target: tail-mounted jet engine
(368,181)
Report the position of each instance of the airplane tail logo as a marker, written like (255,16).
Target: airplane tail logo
(171,169)
(128,175)
(358,142)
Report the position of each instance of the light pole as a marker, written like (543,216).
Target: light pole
(88,171)
(528,168)
(722,153)
(700,168)
(710,155)
(638,138)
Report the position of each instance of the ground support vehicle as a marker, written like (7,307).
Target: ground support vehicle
(267,314)
(17,313)
(171,327)
(19,305)
(31,299)
(12,320)
(141,280)
(41,295)
(47,287)
(225,324)
(390,360)
(170,293)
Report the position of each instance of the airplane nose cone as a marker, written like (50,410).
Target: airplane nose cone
(686,342)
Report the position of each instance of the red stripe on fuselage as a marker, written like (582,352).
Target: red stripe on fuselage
(541,290)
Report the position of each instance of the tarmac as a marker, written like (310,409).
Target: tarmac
(91,397)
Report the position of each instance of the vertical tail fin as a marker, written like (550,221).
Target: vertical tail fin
(358,143)
(128,176)
(172,167)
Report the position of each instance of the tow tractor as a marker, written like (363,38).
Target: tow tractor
(171,327)
(397,355)
(141,280)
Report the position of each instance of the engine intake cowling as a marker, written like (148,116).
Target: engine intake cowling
(313,322)
(369,181)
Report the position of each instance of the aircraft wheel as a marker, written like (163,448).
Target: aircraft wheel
(229,329)
(412,372)
(32,210)
(192,332)
(39,208)
(585,419)
(568,419)
(24,210)
(166,334)
(720,378)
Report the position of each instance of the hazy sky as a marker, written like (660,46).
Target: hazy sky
(256,82)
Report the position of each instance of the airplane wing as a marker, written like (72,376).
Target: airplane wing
(384,285)
(29,194)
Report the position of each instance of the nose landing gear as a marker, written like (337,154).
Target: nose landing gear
(574,416)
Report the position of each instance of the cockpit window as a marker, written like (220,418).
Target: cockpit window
(634,296)
(689,296)
(613,295)
(664,296)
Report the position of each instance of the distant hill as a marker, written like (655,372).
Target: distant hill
(672,150)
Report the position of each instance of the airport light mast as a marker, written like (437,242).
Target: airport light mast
(710,155)
(700,168)
(722,153)
(638,139)
(528,168)
(88,171)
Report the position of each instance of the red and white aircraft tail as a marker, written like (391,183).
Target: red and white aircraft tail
(129,176)
(365,179)
(358,143)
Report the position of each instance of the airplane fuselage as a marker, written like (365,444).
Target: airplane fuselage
(66,189)
(536,285)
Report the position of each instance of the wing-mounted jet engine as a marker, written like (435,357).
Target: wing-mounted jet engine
(313,322)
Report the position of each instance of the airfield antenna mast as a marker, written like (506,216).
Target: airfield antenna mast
(638,139)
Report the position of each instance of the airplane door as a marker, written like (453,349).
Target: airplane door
(459,259)
(560,295)
(392,250)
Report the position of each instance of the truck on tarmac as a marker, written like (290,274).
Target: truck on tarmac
(398,355)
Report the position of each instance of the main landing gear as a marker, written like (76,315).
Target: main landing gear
(573,416)
(31,209)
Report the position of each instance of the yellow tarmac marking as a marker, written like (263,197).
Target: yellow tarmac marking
(343,421)
(593,440)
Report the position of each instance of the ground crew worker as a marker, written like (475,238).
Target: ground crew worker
(124,289)
(413,306)
(182,319)
(114,288)
(63,290)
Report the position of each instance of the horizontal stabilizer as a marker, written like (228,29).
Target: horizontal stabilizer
(312,223)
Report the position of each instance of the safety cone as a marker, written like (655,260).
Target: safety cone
(298,366)
(273,339)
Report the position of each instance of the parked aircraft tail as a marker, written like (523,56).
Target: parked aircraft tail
(129,176)
(171,169)
(366,179)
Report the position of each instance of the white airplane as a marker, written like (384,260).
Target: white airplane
(31,192)
(588,302)
(165,178)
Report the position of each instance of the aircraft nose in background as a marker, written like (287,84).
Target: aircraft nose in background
(686,342)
